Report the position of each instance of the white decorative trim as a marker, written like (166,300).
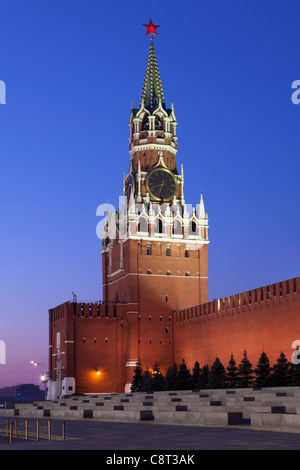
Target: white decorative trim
(137,148)
(160,237)
(131,363)
(183,276)
(116,272)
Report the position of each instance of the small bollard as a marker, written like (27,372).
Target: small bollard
(49,430)
(10,432)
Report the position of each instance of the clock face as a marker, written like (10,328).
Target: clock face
(129,184)
(161,184)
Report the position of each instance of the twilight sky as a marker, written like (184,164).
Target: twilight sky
(71,70)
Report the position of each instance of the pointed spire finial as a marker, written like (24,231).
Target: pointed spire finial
(201,207)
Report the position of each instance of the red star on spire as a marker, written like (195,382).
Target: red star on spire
(151,28)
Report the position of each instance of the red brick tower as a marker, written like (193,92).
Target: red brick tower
(155,247)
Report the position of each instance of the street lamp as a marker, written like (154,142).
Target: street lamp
(44,376)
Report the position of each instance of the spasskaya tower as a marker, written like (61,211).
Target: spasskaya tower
(154,249)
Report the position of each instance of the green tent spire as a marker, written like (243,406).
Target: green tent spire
(152,88)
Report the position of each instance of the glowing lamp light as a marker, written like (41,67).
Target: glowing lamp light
(98,372)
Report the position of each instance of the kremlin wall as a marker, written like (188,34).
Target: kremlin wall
(94,337)
(264,319)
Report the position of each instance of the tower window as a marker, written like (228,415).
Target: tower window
(148,252)
(166,298)
(145,123)
(168,273)
(158,226)
(187,273)
(177,229)
(149,271)
(143,225)
(168,251)
(187,253)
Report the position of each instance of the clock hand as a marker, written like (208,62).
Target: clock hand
(161,186)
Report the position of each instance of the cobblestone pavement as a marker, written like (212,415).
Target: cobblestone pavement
(110,436)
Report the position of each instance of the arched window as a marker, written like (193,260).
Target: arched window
(158,226)
(158,124)
(168,251)
(143,225)
(145,123)
(177,229)
(193,228)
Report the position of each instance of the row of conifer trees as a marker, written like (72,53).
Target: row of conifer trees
(282,373)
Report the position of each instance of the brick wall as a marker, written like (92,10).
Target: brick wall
(263,319)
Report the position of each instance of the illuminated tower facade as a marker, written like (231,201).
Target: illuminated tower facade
(154,248)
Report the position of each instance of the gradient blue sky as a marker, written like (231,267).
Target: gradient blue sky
(72,68)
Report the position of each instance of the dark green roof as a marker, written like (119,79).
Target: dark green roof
(152,88)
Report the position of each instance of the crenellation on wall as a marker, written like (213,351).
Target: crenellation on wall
(266,296)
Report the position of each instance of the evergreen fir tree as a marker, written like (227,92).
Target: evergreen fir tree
(170,380)
(263,371)
(158,380)
(217,375)
(203,380)
(147,381)
(232,373)
(245,377)
(183,378)
(294,374)
(281,372)
(196,376)
(137,380)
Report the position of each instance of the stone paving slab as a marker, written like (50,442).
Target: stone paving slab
(110,437)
